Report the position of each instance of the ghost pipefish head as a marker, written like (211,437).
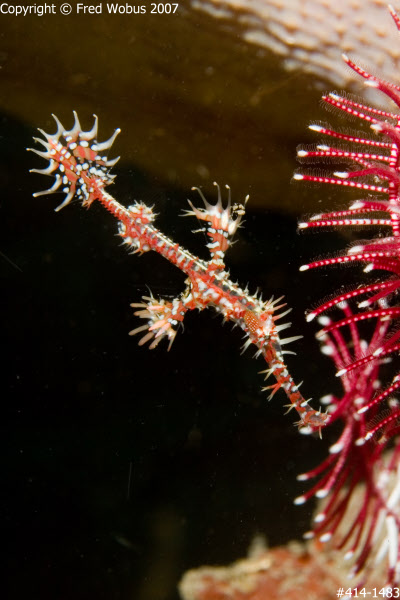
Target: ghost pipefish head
(77,161)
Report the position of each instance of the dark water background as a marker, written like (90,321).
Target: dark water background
(123,467)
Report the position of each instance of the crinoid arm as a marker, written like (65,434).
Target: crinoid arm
(77,160)
(360,478)
(221,223)
(372,165)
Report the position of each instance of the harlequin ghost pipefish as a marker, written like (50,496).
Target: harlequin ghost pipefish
(81,170)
